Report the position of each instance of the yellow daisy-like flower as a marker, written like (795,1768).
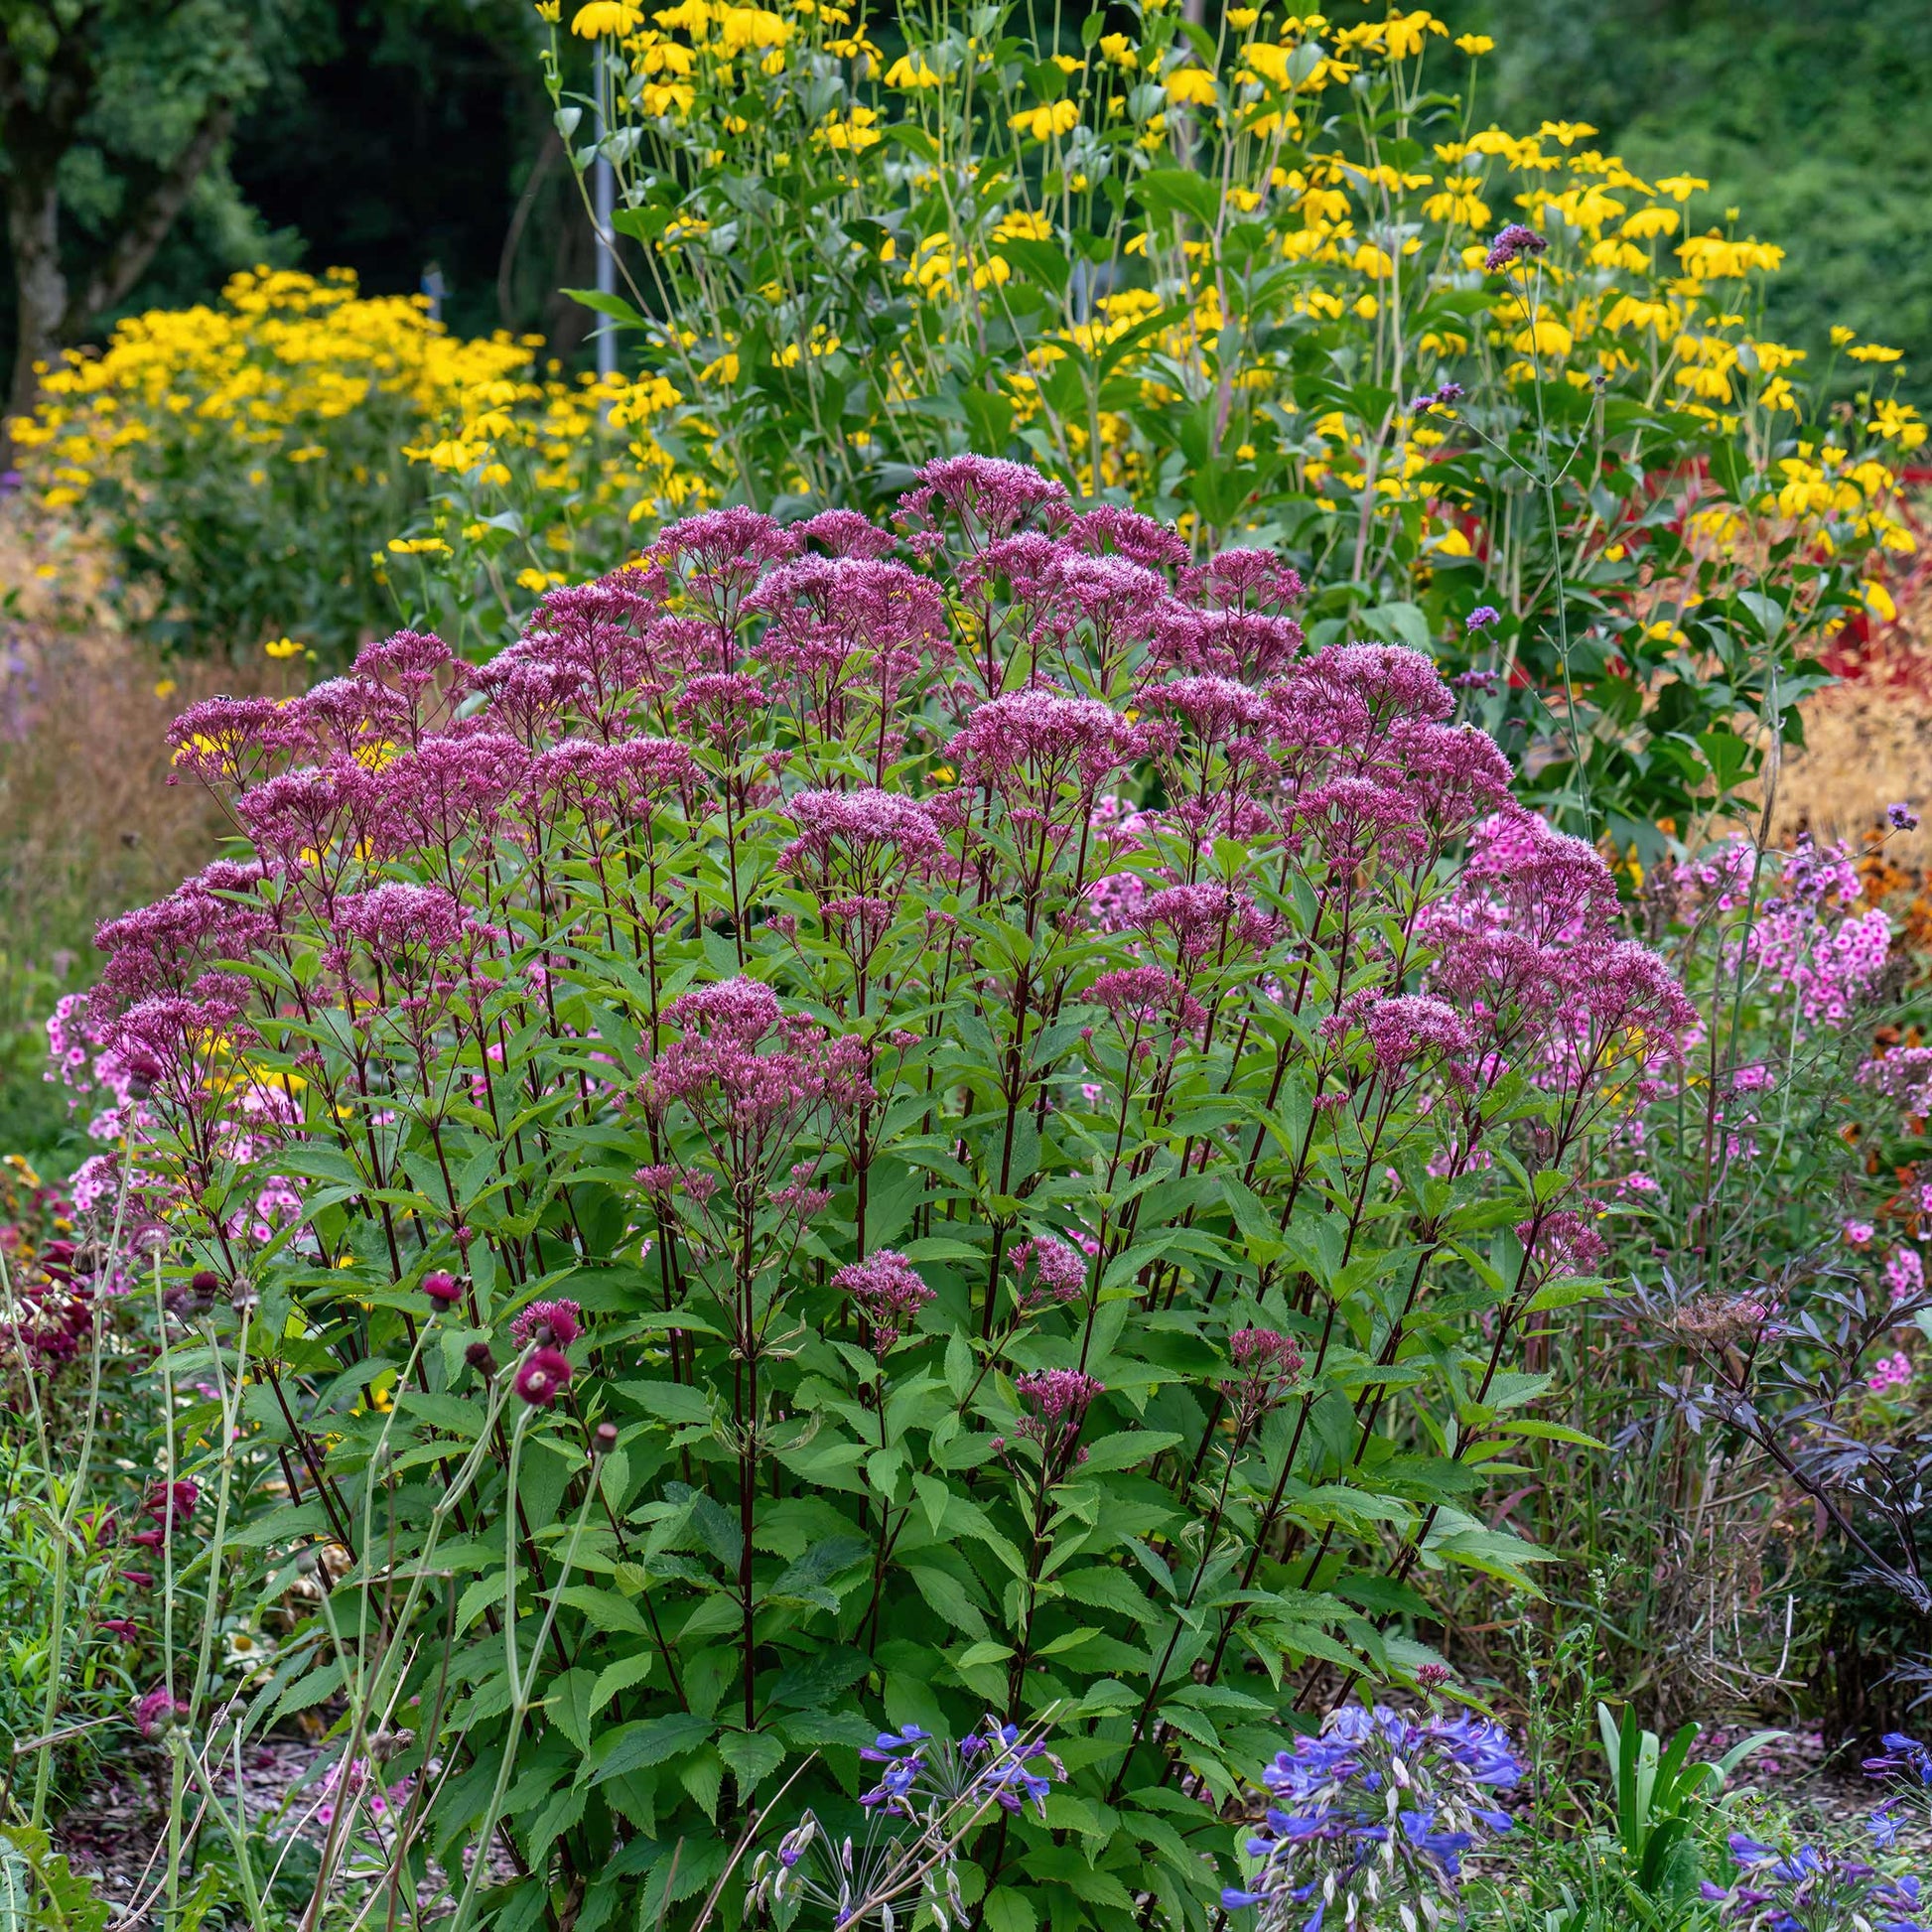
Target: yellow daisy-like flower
(1875,352)
(601,18)
(1043,123)
(912,71)
(1190,88)
(287,646)
(856,132)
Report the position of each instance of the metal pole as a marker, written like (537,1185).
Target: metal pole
(603,198)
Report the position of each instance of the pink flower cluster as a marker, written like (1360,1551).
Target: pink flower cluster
(1891,1372)
(890,1292)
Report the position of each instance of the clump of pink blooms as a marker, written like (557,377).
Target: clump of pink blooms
(1906,1274)
(797,886)
(1890,1372)
(1813,935)
(889,1289)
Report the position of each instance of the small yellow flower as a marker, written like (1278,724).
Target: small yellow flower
(598,19)
(287,646)
(550,10)
(166,688)
(1242,18)
(858,131)
(1878,599)
(1875,352)
(1044,123)
(1190,88)
(1842,335)
(1476,44)
(1118,49)
(912,71)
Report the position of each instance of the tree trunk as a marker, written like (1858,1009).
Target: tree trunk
(41,300)
(145,227)
(37,127)
(36,134)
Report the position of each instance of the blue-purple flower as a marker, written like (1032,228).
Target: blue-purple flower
(1375,1813)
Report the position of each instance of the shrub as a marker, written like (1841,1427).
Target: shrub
(1766,1213)
(244,459)
(863,1127)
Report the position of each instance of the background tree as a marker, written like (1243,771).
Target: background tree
(114,109)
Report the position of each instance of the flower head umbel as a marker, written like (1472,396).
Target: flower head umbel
(1796,1890)
(1049,1269)
(1482,617)
(1057,1402)
(890,1292)
(1267,1365)
(930,1798)
(1370,1819)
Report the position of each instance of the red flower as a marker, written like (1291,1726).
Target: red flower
(543,1377)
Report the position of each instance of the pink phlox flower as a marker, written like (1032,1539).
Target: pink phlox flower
(1858,1234)
(1891,1372)
(1904,1074)
(1905,1275)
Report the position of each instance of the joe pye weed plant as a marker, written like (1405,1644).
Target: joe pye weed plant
(874,1126)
